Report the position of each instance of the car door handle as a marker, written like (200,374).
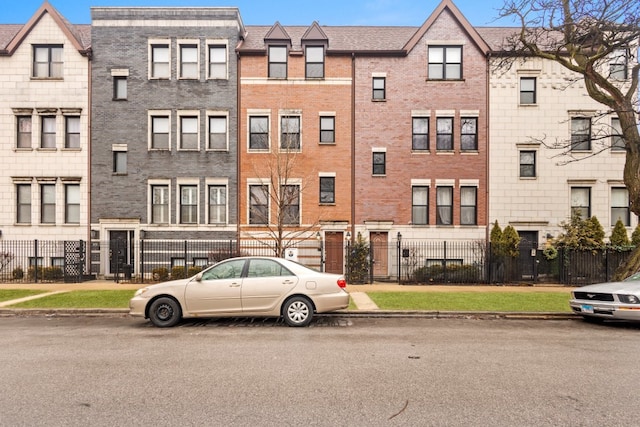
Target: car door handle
(288,282)
(234,285)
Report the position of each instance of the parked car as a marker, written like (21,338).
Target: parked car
(245,286)
(614,300)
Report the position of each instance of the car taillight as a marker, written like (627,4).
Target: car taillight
(342,283)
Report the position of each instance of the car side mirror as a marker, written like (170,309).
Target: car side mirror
(198,277)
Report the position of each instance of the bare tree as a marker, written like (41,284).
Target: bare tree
(597,40)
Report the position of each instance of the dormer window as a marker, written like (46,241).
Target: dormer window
(314,62)
(278,62)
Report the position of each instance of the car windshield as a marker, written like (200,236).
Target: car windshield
(633,277)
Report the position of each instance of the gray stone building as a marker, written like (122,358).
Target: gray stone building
(163,129)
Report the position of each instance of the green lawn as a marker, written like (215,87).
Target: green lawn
(473,301)
(81,299)
(9,294)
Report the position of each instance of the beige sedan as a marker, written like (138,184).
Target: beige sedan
(246,286)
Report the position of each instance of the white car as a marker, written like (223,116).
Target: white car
(246,286)
(614,300)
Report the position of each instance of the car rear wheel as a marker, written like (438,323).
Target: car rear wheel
(297,311)
(165,312)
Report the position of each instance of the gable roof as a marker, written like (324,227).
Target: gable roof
(315,33)
(79,35)
(466,25)
(277,33)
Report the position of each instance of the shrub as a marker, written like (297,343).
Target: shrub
(31,273)
(17,273)
(619,235)
(455,273)
(193,270)
(52,274)
(178,272)
(160,273)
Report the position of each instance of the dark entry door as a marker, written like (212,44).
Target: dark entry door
(118,251)
(528,251)
(334,251)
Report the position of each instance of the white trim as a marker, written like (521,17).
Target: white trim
(187,113)
(217,42)
(179,44)
(209,115)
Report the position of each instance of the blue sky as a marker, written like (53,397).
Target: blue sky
(288,12)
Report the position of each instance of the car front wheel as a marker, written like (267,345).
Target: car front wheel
(165,312)
(297,311)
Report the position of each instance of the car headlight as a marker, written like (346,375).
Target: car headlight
(629,299)
(140,292)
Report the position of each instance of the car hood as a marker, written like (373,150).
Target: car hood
(612,288)
(172,284)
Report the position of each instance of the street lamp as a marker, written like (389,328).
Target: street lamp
(399,237)
(319,237)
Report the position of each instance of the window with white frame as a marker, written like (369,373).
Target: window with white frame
(617,140)
(258,204)
(217,204)
(47,203)
(23,203)
(581,202)
(620,206)
(72,132)
(327,189)
(420,205)
(258,132)
(119,159)
(290,133)
(72,204)
(527,164)
(444,205)
(468,205)
(189,126)
(47,61)
(290,198)
(469,133)
(444,133)
(218,61)
(528,87)
(445,62)
(278,62)
(580,133)
(24,127)
(160,204)
(48,132)
(618,64)
(120,88)
(327,129)
(188,204)
(160,61)
(314,62)
(218,139)
(189,65)
(420,134)
(160,127)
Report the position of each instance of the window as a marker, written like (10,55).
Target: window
(188,204)
(160,66)
(225,270)
(258,204)
(527,164)
(618,64)
(379,163)
(379,88)
(160,132)
(444,205)
(48,204)
(218,133)
(258,133)
(620,206)
(48,132)
(527,90)
(617,141)
(444,133)
(72,132)
(160,204)
(580,133)
(290,204)
(23,208)
(290,133)
(420,134)
(327,130)
(420,205)
(266,268)
(314,62)
(217,61)
(188,133)
(72,204)
(119,87)
(47,61)
(468,205)
(445,62)
(24,131)
(120,162)
(217,204)
(581,201)
(469,133)
(189,61)
(278,62)
(327,189)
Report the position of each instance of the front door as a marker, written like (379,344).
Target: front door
(334,252)
(119,251)
(527,258)
(380,243)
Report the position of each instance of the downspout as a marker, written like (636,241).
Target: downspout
(238,130)
(353,146)
(488,151)
(89,133)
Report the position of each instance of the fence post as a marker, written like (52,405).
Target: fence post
(185,257)
(142,260)
(399,256)
(444,261)
(371,262)
(35,251)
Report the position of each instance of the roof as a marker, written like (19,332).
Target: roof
(12,35)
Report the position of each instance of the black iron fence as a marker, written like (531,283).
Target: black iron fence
(406,261)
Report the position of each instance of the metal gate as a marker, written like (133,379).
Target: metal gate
(73,260)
